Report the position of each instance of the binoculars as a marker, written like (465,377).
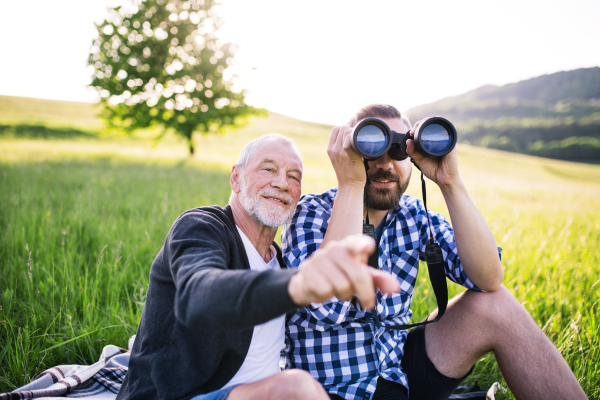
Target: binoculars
(372,138)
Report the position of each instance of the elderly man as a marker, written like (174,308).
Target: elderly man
(213,323)
(355,357)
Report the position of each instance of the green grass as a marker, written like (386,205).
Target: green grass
(83,218)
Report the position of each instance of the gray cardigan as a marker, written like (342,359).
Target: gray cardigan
(202,304)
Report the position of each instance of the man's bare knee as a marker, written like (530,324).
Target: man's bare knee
(493,307)
(297,384)
(291,384)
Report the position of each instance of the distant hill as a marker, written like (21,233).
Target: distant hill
(556,115)
(51,113)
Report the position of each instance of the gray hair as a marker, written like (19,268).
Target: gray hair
(249,149)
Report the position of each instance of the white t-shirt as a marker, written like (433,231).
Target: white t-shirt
(262,360)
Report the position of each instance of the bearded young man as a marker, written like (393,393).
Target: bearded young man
(351,355)
(213,322)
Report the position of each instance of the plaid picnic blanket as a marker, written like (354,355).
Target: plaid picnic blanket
(100,381)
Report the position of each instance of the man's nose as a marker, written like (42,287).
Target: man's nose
(384,162)
(280,181)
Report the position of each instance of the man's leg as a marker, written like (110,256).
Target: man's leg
(293,384)
(477,323)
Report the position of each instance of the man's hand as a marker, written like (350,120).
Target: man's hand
(348,165)
(339,269)
(442,170)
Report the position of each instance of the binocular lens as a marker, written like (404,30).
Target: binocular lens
(371,140)
(435,139)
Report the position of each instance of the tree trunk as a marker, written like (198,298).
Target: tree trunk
(190,142)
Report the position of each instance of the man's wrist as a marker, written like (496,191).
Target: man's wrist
(351,188)
(295,290)
(452,187)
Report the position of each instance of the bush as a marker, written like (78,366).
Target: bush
(25,131)
(501,143)
(573,148)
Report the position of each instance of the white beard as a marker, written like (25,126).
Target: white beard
(266,214)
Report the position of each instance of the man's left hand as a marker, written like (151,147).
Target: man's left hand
(441,170)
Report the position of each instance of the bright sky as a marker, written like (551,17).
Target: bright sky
(321,60)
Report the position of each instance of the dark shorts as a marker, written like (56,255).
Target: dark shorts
(424,380)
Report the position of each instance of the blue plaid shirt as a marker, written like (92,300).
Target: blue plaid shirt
(339,343)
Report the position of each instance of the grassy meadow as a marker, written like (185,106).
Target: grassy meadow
(83,217)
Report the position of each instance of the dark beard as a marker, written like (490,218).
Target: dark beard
(385,199)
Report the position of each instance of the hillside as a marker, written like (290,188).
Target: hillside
(23,117)
(556,115)
(51,113)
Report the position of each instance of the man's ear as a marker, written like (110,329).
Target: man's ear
(236,177)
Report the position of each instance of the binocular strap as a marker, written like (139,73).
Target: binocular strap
(433,257)
(437,276)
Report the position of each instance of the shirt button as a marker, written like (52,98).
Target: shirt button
(367,396)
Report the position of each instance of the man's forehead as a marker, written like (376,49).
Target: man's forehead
(396,124)
(276,151)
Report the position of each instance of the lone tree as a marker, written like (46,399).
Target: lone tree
(160,63)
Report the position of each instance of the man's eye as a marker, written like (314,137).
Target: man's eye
(295,178)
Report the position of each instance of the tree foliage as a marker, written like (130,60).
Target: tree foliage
(160,63)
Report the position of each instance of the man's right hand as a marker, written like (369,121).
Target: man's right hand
(348,165)
(339,269)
